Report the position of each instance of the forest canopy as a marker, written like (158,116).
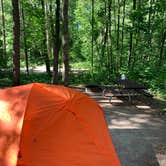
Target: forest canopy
(107,38)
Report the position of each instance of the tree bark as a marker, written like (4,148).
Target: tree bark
(149,26)
(105,34)
(130,49)
(92,35)
(131,38)
(123,23)
(3,33)
(65,43)
(25,42)
(117,44)
(56,47)
(16,42)
(138,34)
(47,27)
(115,17)
(52,27)
(163,38)
(45,51)
(110,55)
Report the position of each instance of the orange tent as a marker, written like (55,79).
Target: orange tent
(48,125)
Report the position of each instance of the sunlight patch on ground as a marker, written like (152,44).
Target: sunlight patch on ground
(126,121)
(160,151)
(124,126)
(138,120)
(105,105)
(103,101)
(161,158)
(117,101)
(143,106)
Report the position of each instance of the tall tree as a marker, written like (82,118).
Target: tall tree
(25,40)
(123,28)
(47,27)
(115,24)
(45,33)
(65,42)
(105,37)
(16,42)
(92,36)
(131,37)
(56,47)
(123,22)
(110,60)
(149,26)
(3,31)
(161,48)
(117,44)
(115,34)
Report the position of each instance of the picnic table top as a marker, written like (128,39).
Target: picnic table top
(130,84)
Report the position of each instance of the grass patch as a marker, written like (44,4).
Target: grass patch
(81,65)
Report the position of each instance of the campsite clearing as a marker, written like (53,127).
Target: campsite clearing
(137,130)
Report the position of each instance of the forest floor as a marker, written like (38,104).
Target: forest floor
(137,129)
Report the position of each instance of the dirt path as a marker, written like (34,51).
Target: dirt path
(138,132)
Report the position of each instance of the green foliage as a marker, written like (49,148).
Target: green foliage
(111,51)
(35,77)
(81,65)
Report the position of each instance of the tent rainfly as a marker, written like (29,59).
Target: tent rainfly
(50,125)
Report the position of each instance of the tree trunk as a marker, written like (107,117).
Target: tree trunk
(105,34)
(117,41)
(16,43)
(110,58)
(52,27)
(47,27)
(3,33)
(65,43)
(149,26)
(56,47)
(130,49)
(115,17)
(138,34)
(131,38)
(163,38)
(92,35)
(45,51)
(115,37)
(118,32)
(123,23)
(25,42)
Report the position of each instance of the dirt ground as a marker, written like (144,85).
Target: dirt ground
(138,130)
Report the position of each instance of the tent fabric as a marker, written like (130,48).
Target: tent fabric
(50,125)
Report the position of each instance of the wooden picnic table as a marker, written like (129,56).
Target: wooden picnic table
(125,88)
(130,84)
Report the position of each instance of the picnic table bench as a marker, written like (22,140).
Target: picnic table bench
(125,88)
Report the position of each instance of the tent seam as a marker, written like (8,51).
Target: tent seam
(91,136)
(24,115)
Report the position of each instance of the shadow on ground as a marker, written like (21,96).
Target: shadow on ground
(139,137)
(137,130)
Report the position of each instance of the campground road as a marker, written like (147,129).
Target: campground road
(139,137)
(138,133)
